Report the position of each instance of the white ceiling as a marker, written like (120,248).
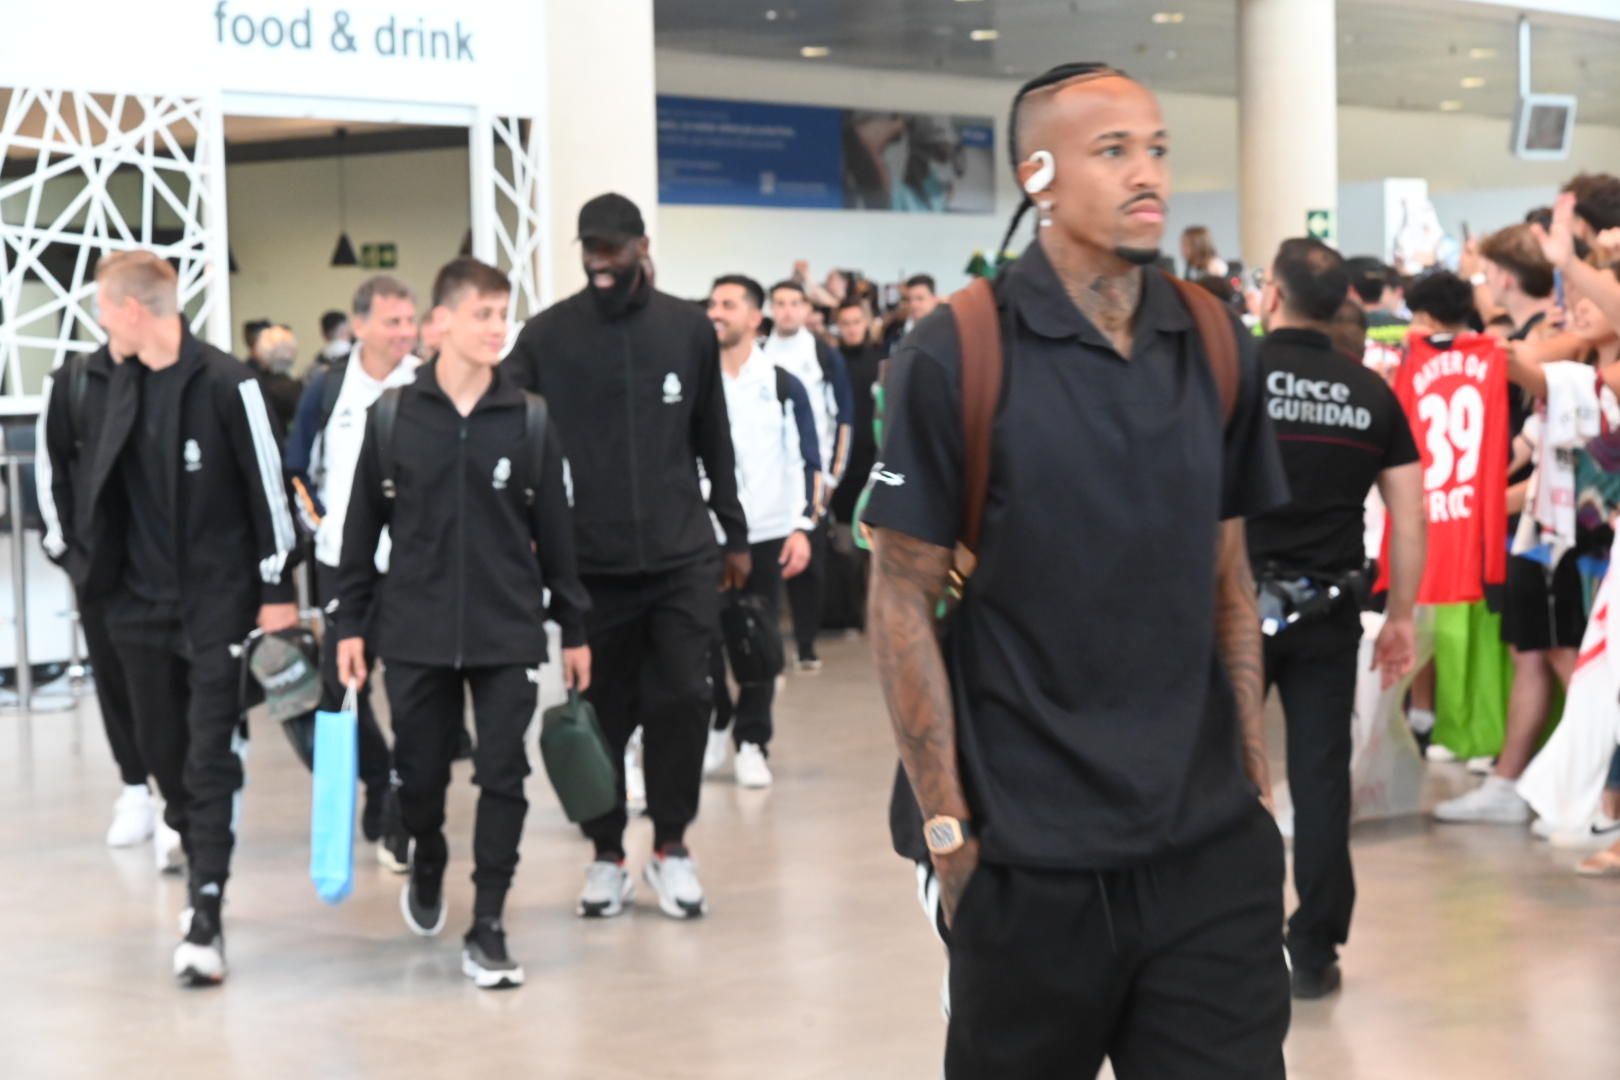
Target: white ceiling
(1411,55)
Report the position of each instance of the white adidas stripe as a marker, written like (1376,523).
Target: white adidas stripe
(269,456)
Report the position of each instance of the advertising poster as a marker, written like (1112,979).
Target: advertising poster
(737,153)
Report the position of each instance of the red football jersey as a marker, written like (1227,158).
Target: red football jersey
(1455,398)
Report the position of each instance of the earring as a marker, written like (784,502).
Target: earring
(1045,216)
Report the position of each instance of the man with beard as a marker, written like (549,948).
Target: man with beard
(1086,740)
(632,377)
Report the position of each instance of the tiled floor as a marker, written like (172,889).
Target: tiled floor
(1476,953)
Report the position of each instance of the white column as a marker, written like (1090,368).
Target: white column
(600,124)
(1288,120)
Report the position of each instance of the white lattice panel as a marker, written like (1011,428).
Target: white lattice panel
(69,146)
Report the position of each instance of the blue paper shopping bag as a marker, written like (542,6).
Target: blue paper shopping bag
(331,813)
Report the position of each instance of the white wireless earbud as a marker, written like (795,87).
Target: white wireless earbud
(1042,178)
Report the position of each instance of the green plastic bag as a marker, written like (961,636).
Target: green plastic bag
(1473,677)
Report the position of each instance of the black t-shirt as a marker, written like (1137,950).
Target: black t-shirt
(1338,426)
(863,372)
(148,464)
(1095,724)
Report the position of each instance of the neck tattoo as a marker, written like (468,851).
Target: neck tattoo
(1110,301)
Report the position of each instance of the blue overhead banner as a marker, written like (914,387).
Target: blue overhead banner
(741,153)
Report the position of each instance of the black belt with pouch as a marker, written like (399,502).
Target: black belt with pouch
(1289,598)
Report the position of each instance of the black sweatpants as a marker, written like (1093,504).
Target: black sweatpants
(1170,969)
(112,693)
(428,705)
(376,763)
(806,591)
(650,636)
(1313,666)
(752,709)
(187,707)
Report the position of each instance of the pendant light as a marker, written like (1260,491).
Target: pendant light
(343,255)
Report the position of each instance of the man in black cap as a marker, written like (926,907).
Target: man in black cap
(1085,740)
(632,376)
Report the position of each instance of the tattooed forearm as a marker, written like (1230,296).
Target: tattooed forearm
(908,579)
(1237,629)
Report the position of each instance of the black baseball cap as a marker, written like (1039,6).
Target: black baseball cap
(612,218)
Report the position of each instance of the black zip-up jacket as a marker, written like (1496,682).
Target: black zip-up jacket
(66,441)
(471,559)
(638,402)
(235,530)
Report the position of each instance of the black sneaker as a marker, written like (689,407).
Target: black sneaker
(199,959)
(484,959)
(371,818)
(1309,984)
(422,901)
(394,849)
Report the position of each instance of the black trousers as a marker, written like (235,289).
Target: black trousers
(806,591)
(112,693)
(428,705)
(187,708)
(650,636)
(376,763)
(752,709)
(1313,666)
(1171,969)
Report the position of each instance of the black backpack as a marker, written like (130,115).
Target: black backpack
(331,390)
(534,440)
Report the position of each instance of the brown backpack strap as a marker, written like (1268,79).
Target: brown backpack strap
(1220,339)
(978,329)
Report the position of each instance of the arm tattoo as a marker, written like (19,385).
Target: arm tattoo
(908,579)
(1237,630)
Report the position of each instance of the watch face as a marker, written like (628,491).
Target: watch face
(942,835)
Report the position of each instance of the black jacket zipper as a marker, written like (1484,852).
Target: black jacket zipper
(461,544)
(630,443)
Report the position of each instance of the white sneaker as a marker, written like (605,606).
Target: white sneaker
(751,769)
(608,887)
(1600,832)
(133,818)
(1495,802)
(635,781)
(714,757)
(1481,766)
(673,876)
(167,850)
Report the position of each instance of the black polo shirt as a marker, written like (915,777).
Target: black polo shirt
(1095,724)
(1338,426)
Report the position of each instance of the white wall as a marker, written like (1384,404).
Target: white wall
(284,225)
(1456,153)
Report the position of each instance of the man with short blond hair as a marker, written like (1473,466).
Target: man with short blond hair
(189,524)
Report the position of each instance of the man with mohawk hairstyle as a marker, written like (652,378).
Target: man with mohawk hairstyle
(1084,737)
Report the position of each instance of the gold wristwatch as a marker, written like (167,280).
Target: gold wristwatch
(945,835)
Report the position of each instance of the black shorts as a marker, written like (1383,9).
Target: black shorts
(1544,610)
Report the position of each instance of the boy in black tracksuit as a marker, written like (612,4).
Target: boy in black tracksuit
(189,519)
(633,377)
(75,409)
(473,490)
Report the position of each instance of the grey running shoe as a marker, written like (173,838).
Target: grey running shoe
(673,876)
(607,889)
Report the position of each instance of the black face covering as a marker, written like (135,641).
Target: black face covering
(1138,256)
(617,300)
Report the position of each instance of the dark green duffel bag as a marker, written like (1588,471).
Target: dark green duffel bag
(577,759)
